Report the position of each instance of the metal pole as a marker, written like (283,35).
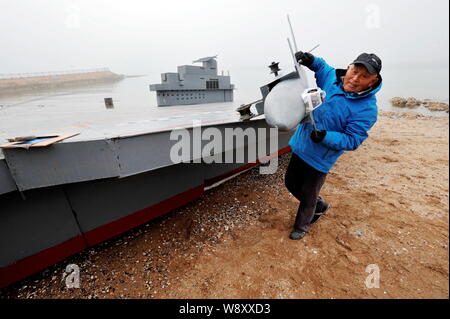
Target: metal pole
(292,34)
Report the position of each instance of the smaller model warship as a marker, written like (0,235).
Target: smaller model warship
(194,85)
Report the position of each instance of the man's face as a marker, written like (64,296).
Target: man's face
(358,79)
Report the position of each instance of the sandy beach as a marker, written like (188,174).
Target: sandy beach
(390,205)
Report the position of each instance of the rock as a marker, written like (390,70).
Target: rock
(413,103)
(409,102)
(398,101)
(437,106)
(358,233)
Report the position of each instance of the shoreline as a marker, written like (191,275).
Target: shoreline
(18,86)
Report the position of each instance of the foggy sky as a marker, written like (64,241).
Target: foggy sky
(136,37)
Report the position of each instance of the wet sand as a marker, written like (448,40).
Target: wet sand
(390,207)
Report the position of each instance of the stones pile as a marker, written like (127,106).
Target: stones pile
(437,106)
(414,103)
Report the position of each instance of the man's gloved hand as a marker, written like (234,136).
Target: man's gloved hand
(318,136)
(304,58)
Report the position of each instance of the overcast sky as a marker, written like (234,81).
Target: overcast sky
(135,37)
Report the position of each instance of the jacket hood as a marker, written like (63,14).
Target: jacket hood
(359,95)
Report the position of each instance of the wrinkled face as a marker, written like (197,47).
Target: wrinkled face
(358,79)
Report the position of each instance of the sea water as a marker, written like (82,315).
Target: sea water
(419,81)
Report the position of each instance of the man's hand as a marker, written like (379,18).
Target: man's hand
(304,58)
(318,136)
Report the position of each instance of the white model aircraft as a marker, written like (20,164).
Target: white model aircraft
(288,100)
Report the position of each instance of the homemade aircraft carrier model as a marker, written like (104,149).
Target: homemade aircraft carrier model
(113,173)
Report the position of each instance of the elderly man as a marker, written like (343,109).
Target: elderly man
(343,120)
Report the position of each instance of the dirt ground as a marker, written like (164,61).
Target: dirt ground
(390,208)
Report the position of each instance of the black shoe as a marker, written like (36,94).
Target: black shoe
(297,234)
(325,207)
(320,213)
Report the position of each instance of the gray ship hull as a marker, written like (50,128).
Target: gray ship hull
(62,199)
(190,97)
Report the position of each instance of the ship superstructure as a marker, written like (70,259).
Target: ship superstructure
(194,85)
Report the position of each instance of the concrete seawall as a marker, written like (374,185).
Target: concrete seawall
(24,84)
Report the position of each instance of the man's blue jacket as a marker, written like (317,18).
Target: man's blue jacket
(347,117)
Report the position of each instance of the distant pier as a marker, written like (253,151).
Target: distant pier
(25,82)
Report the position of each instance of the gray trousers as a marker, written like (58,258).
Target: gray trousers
(305,183)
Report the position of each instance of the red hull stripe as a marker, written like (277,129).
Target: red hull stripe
(32,264)
(37,262)
(216,179)
(117,227)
